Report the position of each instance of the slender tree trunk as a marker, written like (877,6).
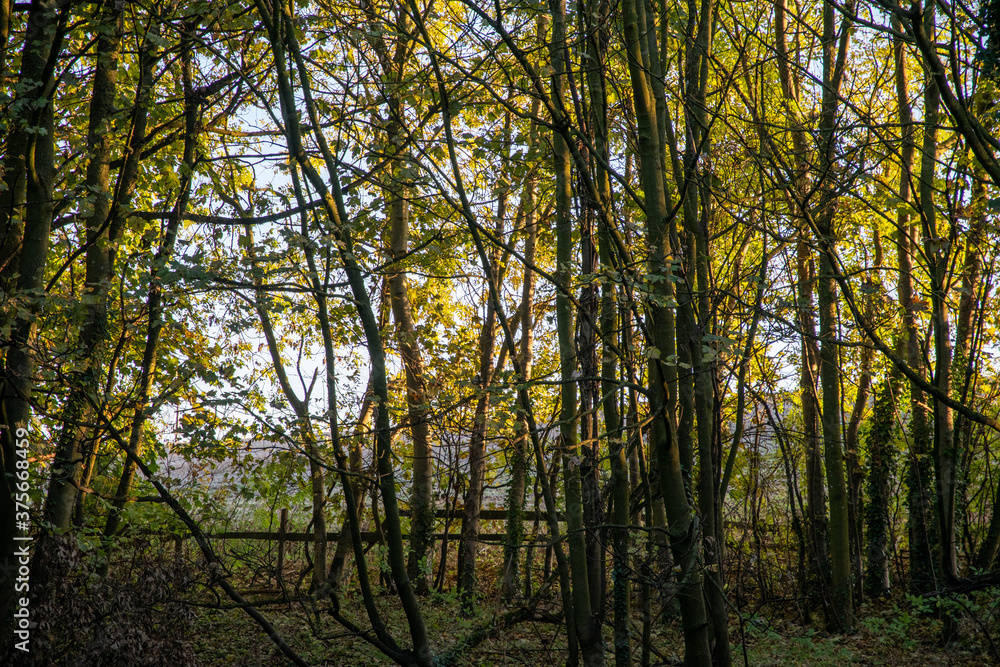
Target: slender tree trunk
(392,49)
(356,488)
(881,469)
(652,515)
(795,507)
(852,443)
(663,435)
(620,488)
(816,517)
(670,329)
(477,443)
(26,210)
(77,439)
(918,471)
(816,584)
(520,455)
(855,474)
(586,346)
(595,16)
(936,244)
(477,465)
(833,447)
(280,33)
(697,215)
(154,301)
(974,294)
(422,495)
(350,536)
(594,126)
(741,380)
(584,621)
(969,327)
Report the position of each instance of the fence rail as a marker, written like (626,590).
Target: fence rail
(284,535)
(367,536)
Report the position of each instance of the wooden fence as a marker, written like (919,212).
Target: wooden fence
(284,535)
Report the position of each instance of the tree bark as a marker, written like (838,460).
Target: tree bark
(422,492)
(78,437)
(584,621)
(682,529)
(881,469)
(918,471)
(826,288)
(852,443)
(697,216)
(817,583)
(936,244)
(595,17)
(477,465)
(26,210)
(520,455)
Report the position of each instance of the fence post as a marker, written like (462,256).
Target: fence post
(282,530)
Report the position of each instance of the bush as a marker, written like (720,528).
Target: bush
(133,615)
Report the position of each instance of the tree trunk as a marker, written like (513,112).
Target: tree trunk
(829,322)
(520,456)
(280,34)
(918,470)
(968,330)
(477,465)
(816,517)
(974,295)
(815,585)
(26,210)
(852,443)
(595,17)
(356,488)
(154,300)
(78,436)
(936,244)
(881,470)
(422,495)
(663,436)
(586,354)
(469,550)
(353,486)
(697,215)
(585,623)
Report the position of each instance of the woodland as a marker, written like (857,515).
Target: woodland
(454,332)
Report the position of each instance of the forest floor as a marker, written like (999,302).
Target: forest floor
(161,607)
(887,634)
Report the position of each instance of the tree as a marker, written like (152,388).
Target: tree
(643,62)
(26,212)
